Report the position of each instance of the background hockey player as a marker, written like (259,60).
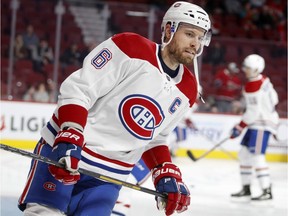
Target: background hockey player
(227,86)
(181,132)
(138,176)
(120,106)
(260,119)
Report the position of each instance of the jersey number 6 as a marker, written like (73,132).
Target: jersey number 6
(101,58)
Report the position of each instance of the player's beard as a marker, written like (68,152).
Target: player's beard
(177,53)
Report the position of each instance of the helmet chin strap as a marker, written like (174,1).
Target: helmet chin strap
(196,72)
(164,44)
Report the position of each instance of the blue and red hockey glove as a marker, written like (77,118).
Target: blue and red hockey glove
(67,150)
(237,130)
(167,180)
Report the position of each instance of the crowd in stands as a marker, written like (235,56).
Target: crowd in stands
(265,19)
(29,47)
(38,94)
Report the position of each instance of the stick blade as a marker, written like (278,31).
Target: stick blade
(190,155)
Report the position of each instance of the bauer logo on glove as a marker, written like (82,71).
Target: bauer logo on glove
(167,180)
(67,150)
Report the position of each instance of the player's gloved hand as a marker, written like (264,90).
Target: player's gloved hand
(67,150)
(237,130)
(190,124)
(167,180)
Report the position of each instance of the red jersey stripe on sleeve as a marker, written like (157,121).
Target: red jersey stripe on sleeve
(55,119)
(156,156)
(72,113)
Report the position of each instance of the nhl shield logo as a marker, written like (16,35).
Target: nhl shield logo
(140,115)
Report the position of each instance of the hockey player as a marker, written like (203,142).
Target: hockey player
(120,106)
(260,119)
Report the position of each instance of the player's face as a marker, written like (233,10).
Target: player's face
(248,72)
(185,43)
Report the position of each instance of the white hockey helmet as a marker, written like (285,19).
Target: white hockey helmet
(185,12)
(255,62)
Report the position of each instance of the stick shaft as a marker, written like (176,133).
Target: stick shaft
(224,150)
(80,170)
(189,153)
(220,148)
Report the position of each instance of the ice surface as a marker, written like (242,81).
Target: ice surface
(210,181)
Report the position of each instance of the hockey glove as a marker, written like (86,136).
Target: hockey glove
(190,124)
(67,150)
(237,130)
(167,180)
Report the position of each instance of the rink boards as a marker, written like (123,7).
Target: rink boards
(20,125)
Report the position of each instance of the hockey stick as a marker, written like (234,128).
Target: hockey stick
(192,157)
(220,148)
(83,171)
(224,151)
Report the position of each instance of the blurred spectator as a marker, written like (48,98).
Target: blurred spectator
(257,3)
(215,6)
(216,25)
(214,109)
(89,47)
(208,106)
(234,7)
(278,51)
(52,90)
(228,87)
(250,16)
(71,56)
(20,51)
(42,55)
(238,107)
(30,40)
(267,20)
(215,54)
(41,94)
(29,94)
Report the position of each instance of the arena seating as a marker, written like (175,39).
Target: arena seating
(237,42)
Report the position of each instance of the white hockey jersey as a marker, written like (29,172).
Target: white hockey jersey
(132,103)
(261,99)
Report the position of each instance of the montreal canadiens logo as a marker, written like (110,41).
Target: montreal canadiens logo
(49,186)
(140,115)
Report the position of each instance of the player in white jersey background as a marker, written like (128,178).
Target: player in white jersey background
(181,132)
(261,120)
(119,107)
